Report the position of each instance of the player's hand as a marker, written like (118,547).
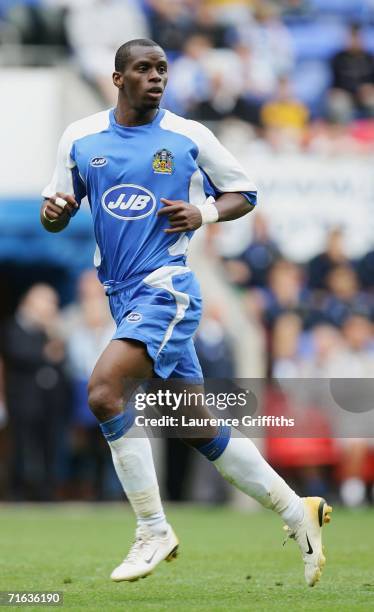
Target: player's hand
(53,211)
(183,217)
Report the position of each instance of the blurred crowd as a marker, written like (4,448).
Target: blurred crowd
(316,321)
(317,317)
(300,67)
(47,356)
(51,447)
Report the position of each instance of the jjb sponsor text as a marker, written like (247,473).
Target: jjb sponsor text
(128,202)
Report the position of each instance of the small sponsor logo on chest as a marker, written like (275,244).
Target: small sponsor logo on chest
(134,317)
(98,162)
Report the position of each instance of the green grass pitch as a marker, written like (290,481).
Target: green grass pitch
(228,560)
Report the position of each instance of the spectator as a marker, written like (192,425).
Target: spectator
(268,38)
(170,22)
(324,358)
(284,111)
(357,361)
(358,334)
(216,356)
(89,289)
(252,267)
(296,9)
(95,29)
(352,91)
(285,293)
(333,355)
(285,346)
(354,453)
(232,12)
(188,83)
(344,296)
(36,22)
(333,139)
(206,82)
(37,394)
(214,346)
(258,82)
(90,329)
(333,255)
(208,24)
(366,270)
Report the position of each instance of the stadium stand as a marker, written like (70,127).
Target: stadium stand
(293,298)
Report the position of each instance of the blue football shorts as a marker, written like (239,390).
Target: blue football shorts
(163,311)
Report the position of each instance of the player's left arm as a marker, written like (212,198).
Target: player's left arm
(235,195)
(184,217)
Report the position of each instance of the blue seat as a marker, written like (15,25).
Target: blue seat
(349,10)
(317,40)
(311,79)
(368,37)
(23,239)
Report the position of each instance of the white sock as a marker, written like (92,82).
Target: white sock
(133,462)
(242,464)
(353,492)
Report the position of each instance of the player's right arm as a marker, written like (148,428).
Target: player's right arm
(55,217)
(63,195)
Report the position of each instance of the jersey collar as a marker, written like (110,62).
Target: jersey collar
(126,130)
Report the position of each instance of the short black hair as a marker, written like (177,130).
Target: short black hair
(124,52)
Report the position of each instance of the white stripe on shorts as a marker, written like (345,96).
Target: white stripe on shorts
(162,279)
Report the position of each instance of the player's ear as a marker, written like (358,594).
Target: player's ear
(118,80)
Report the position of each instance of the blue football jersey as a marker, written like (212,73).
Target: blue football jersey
(125,171)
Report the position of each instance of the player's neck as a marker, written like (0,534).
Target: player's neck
(131,117)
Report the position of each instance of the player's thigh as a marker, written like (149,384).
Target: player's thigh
(117,373)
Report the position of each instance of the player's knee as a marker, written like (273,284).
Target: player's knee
(102,401)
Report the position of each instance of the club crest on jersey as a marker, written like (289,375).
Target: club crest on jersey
(98,162)
(163,162)
(128,202)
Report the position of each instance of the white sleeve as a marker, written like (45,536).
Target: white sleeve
(221,167)
(62,179)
